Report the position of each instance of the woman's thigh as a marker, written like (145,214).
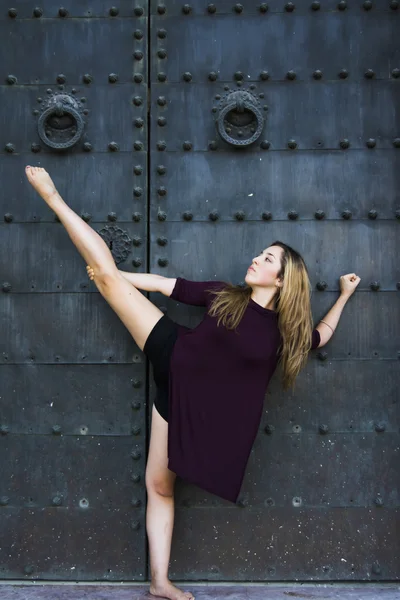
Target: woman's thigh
(158,477)
(138,314)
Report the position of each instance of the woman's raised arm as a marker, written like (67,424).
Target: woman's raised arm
(328,324)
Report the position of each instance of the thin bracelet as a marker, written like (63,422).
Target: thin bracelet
(321,321)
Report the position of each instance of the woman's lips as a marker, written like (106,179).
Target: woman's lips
(251,269)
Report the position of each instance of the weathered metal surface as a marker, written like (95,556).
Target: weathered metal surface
(73,383)
(321,494)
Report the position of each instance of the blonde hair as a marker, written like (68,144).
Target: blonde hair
(292,303)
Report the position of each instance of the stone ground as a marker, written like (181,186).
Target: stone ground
(201,591)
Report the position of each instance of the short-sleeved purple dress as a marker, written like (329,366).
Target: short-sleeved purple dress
(217,384)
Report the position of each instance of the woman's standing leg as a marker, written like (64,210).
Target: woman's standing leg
(160,483)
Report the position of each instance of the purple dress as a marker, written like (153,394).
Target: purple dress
(217,384)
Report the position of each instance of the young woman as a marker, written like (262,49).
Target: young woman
(211,380)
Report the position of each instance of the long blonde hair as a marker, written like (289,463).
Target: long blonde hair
(292,303)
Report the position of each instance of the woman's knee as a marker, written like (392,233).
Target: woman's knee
(161,484)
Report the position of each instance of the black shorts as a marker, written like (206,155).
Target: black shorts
(158,348)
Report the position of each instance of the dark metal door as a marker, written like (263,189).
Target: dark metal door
(266,122)
(73,382)
(320,499)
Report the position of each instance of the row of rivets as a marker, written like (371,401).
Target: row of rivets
(323,428)
(187,76)
(213,216)
(289,7)
(292,144)
(264,75)
(83,503)
(63,12)
(321,286)
(211,9)
(61,79)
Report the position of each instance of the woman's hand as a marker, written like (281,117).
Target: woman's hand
(348,284)
(90,272)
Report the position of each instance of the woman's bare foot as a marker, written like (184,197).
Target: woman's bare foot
(41,181)
(167,590)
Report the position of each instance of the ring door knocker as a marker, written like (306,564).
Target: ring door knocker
(239,119)
(61,125)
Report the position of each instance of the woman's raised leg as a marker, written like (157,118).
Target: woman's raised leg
(137,313)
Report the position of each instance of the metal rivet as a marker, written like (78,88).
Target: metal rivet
(138,78)
(396,142)
(139,122)
(162,191)
(8,217)
(162,77)
(319,214)
(374,285)
(187,76)
(292,144)
(162,53)
(322,355)
(264,75)
(138,145)
(321,286)
(56,429)
(265,144)
(138,34)
(344,143)
(12,12)
(372,214)
(213,215)
(112,216)
(113,147)
(162,241)
(161,146)
(212,8)
(63,12)
(396,73)
(161,9)
(186,9)
(213,145)
(37,12)
(346,214)
(240,215)
(370,143)
(293,215)
(11,79)
(367,5)
(136,262)
(263,7)
(138,170)
(291,75)
(161,215)
(137,191)
(56,500)
(266,215)
(113,12)
(343,73)
(342,5)
(394,4)
(238,8)
(162,121)
(161,170)
(138,11)
(6,287)
(187,215)
(213,76)
(289,7)
(187,145)
(113,77)
(369,74)
(317,74)
(138,55)
(85,216)
(315,5)
(163,262)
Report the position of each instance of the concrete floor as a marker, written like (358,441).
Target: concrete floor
(201,591)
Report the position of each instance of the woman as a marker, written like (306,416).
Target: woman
(211,380)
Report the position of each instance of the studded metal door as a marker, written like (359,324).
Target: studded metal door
(73,418)
(281,121)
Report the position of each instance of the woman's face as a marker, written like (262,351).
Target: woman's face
(265,268)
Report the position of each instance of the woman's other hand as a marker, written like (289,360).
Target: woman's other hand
(348,283)
(90,272)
